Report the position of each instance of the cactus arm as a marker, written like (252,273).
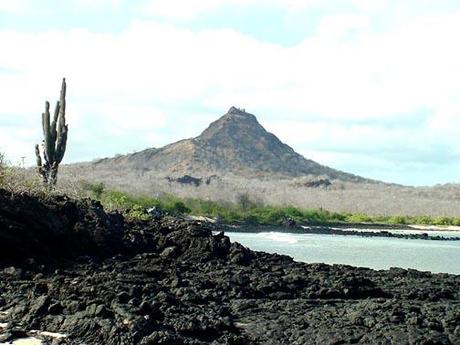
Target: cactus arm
(37,155)
(62,101)
(44,136)
(54,123)
(62,127)
(48,152)
(43,124)
(61,123)
(41,169)
(61,144)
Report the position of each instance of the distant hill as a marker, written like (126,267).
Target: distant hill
(236,143)
(235,156)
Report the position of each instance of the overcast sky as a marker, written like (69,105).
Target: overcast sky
(371,87)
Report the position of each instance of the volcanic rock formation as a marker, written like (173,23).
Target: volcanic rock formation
(235,143)
(170,281)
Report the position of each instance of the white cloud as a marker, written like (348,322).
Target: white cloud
(98,4)
(13,6)
(179,9)
(191,9)
(18,142)
(344,73)
(130,117)
(370,6)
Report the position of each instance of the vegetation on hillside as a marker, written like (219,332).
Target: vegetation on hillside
(15,179)
(3,166)
(244,210)
(342,197)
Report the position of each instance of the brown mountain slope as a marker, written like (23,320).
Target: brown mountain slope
(236,143)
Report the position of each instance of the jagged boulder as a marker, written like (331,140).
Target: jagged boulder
(31,226)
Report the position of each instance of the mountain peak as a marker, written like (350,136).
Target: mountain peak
(237,111)
(235,143)
(235,121)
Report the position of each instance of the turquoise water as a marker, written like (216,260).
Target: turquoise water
(373,252)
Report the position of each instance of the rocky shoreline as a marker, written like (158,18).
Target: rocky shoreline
(329,230)
(67,266)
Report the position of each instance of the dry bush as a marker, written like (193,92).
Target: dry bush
(3,168)
(372,199)
(19,180)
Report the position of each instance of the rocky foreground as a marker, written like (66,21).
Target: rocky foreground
(67,266)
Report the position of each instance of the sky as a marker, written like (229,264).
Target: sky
(371,87)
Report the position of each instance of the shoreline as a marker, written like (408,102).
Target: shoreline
(344,231)
(436,228)
(378,226)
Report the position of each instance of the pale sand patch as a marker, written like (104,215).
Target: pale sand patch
(200,218)
(49,334)
(32,340)
(436,227)
(25,341)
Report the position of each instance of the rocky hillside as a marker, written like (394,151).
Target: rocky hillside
(236,143)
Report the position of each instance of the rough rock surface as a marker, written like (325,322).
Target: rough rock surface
(175,282)
(56,226)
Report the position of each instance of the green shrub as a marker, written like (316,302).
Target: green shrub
(179,207)
(425,220)
(113,199)
(269,215)
(338,217)
(251,218)
(244,202)
(96,189)
(442,221)
(294,213)
(359,218)
(397,220)
(244,210)
(137,212)
(321,216)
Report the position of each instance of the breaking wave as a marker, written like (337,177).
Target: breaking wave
(279,237)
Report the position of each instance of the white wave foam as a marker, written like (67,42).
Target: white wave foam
(26,341)
(49,334)
(279,237)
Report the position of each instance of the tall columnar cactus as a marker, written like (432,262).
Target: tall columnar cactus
(55,140)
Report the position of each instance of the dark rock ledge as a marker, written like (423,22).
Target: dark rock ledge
(67,266)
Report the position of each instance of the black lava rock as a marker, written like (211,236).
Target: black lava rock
(67,266)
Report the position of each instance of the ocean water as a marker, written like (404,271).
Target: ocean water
(373,252)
